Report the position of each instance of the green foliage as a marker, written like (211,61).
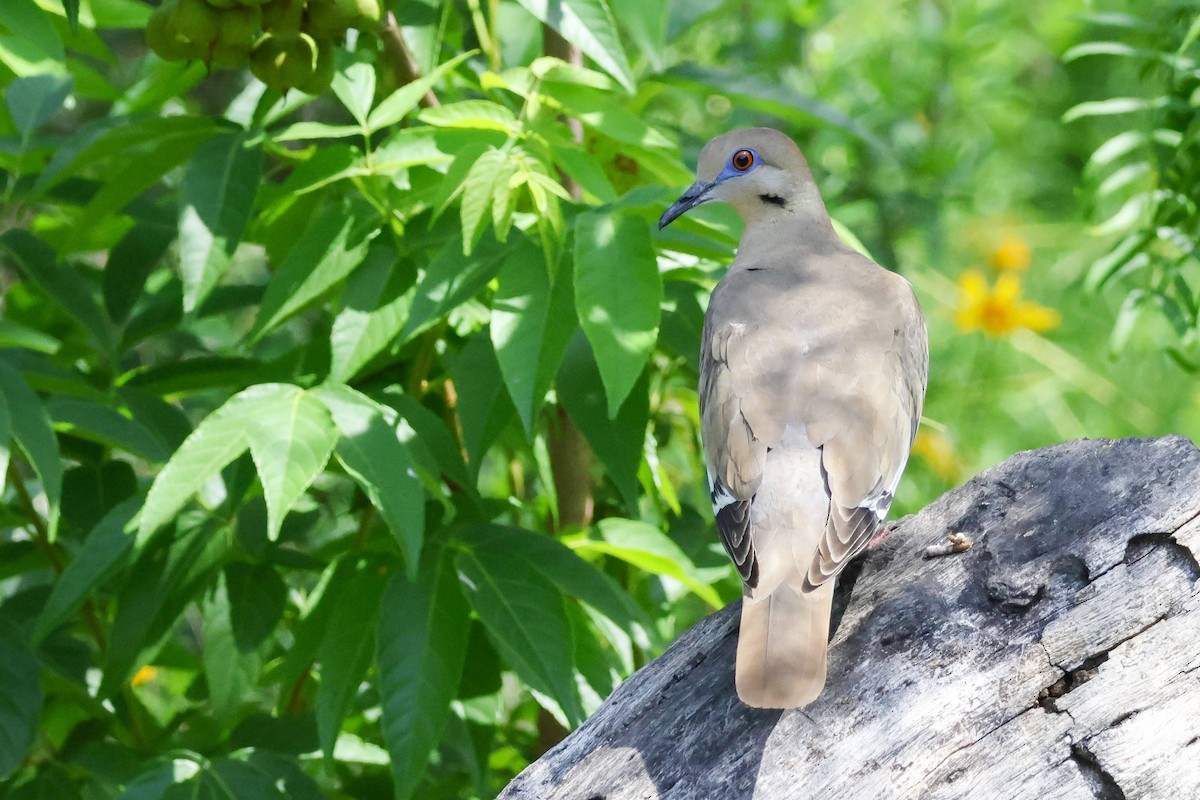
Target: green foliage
(1144,176)
(349,442)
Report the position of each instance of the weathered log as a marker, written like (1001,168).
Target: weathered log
(1057,658)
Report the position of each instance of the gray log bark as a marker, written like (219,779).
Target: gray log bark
(1057,658)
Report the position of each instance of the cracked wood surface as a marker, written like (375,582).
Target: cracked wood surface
(1058,658)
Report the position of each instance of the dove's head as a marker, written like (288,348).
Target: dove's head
(758,171)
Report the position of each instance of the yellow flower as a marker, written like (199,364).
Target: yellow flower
(999,309)
(144,676)
(936,450)
(1012,253)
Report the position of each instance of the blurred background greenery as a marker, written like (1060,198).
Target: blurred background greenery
(1031,169)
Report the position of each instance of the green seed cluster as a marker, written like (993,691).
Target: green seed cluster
(288,43)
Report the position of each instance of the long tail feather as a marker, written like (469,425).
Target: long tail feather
(782,647)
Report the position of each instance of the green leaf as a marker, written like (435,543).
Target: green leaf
(589,25)
(313,618)
(72,9)
(618,295)
(598,110)
(20,696)
(34,35)
(396,106)
(768,96)
(473,114)
(532,323)
(217,440)
(484,409)
(373,453)
(355,87)
(374,307)
(449,281)
(167,576)
(571,574)
(14,334)
(647,548)
(37,260)
(483,181)
(1113,106)
(329,249)
(32,101)
(616,441)
(91,490)
(102,554)
(130,262)
(289,433)
(291,436)
(526,620)
(347,648)
(215,201)
(647,26)
(32,432)
(229,671)
(5,438)
(421,654)
(107,426)
(316,130)
(431,435)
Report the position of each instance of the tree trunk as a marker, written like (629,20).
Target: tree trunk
(1057,658)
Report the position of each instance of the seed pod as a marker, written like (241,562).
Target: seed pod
(239,27)
(284,62)
(331,18)
(198,22)
(283,17)
(164,38)
(323,71)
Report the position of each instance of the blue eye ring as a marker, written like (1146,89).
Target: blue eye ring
(742,160)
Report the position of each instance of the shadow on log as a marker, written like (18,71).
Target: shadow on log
(1058,658)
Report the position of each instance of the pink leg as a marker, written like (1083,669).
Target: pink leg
(884,532)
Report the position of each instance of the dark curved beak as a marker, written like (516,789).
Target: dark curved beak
(693,196)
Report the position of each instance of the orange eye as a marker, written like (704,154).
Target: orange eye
(742,160)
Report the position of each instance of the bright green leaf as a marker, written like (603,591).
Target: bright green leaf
(374,307)
(291,436)
(355,87)
(329,249)
(396,106)
(475,114)
(647,548)
(450,280)
(618,295)
(532,323)
(215,201)
(374,455)
(589,25)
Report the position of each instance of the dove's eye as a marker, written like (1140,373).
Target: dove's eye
(742,160)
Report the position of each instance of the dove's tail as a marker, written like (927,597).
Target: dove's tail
(782,647)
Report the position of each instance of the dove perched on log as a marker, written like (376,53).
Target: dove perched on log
(813,363)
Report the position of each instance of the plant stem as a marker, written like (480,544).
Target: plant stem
(401,59)
(42,537)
